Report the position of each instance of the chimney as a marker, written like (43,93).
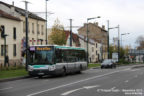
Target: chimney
(85,24)
(103,27)
(96,23)
(13,3)
(12,9)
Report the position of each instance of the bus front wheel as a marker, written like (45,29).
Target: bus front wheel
(64,71)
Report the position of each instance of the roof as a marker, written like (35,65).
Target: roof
(6,15)
(95,26)
(22,11)
(75,37)
(84,38)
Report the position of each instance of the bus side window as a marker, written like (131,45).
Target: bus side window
(59,57)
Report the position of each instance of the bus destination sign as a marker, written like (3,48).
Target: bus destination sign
(43,48)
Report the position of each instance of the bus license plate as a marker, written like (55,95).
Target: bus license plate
(40,73)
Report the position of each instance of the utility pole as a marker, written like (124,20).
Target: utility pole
(118,42)
(46,24)
(87,31)
(5,35)
(70,32)
(26,20)
(108,53)
(87,44)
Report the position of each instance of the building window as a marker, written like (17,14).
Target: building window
(3,31)
(14,33)
(96,45)
(38,29)
(24,27)
(92,49)
(96,52)
(33,28)
(2,50)
(93,57)
(42,29)
(14,50)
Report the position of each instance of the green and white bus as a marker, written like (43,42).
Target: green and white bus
(54,60)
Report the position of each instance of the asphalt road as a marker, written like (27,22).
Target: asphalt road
(122,81)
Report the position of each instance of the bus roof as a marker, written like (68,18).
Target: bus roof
(67,47)
(61,47)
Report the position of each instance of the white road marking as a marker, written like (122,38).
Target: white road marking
(6,88)
(69,92)
(85,87)
(113,88)
(127,81)
(135,70)
(54,88)
(126,69)
(90,87)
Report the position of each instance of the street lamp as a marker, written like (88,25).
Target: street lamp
(108,39)
(122,35)
(87,34)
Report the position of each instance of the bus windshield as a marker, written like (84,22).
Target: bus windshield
(41,57)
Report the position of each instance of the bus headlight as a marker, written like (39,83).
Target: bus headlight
(52,68)
(30,68)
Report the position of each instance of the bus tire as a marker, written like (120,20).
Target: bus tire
(63,71)
(80,69)
(40,76)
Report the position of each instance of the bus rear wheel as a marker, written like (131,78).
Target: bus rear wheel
(80,69)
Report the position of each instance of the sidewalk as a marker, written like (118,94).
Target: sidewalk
(15,78)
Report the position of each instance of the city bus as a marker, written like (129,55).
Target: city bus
(55,60)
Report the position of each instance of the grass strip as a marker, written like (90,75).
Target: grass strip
(6,74)
(93,65)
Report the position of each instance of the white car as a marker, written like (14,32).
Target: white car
(108,63)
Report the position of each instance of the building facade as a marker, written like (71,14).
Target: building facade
(96,33)
(13,20)
(80,41)
(94,49)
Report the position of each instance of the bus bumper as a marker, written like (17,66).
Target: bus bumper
(41,72)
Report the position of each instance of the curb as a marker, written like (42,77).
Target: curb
(96,68)
(138,66)
(12,79)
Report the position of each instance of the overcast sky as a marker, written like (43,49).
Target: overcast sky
(128,14)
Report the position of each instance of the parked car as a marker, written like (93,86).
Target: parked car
(108,63)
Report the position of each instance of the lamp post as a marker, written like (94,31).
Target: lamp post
(87,34)
(123,35)
(70,32)
(108,38)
